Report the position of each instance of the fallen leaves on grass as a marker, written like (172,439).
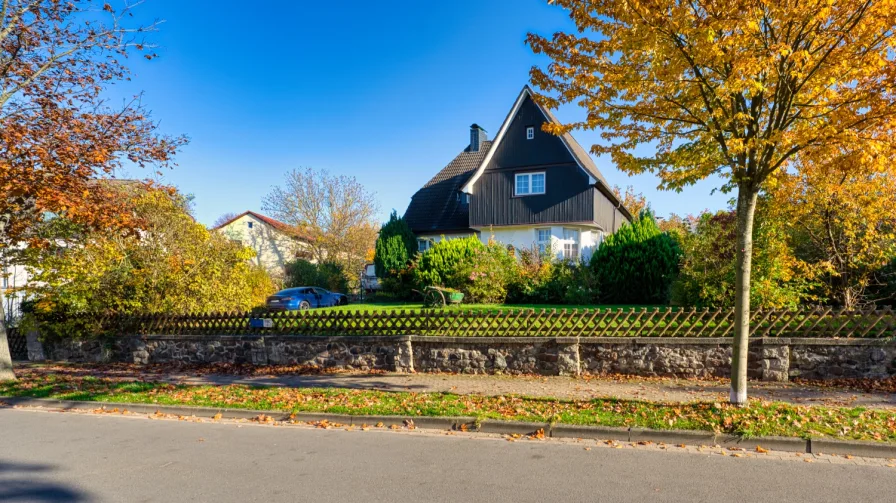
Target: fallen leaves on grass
(757,419)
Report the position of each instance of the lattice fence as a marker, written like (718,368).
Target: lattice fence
(18,345)
(629,322)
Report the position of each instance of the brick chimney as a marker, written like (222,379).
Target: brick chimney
(477,137)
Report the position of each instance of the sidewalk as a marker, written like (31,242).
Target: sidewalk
(623,387)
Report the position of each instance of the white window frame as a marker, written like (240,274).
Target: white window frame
(543,246)
(572,249)
(423,244)
(529,175)
(530,132)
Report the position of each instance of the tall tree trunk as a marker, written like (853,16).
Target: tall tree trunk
(746,209)
(6,373)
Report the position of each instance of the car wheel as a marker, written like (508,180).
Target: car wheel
(304,305)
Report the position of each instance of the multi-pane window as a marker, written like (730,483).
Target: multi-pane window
(530,133)
(529,183)
(543,240)
(570,244)
(423,245)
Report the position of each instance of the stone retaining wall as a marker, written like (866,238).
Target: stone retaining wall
(771,359)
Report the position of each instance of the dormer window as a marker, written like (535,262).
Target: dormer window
(530,132)
(527,184)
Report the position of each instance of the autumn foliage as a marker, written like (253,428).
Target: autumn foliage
(735,89)
(57,132)
(173,264)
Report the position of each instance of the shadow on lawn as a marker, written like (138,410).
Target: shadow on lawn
(22,482)
(349,381)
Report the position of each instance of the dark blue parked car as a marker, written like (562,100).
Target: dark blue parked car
(304,297)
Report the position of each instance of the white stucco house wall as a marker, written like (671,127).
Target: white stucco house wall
(274,242)
(13,278)
(563,242)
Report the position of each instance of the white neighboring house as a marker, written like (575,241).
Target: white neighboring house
(369,281)
(13,278)
(275,243)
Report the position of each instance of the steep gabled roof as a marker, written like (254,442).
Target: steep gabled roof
(276,224)
(435,207)
(575,149)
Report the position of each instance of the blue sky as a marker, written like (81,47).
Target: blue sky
(383,91)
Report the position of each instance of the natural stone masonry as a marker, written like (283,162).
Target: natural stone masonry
(770,359)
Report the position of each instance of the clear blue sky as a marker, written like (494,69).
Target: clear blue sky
(383,91)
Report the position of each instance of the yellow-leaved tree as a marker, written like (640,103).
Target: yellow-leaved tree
(732,88)
(840,207)
(173,264)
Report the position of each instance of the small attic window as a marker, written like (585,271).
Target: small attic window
(250,224)
(530,132)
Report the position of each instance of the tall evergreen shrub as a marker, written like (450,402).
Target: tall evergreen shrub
(637,264)
(395,247)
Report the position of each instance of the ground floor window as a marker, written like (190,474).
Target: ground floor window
(543,240)
(570,244)
(423,244)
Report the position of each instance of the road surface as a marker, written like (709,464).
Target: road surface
(50,456)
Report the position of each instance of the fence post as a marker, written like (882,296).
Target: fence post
(34,346)
(404,354)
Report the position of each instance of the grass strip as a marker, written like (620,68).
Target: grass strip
(756,419)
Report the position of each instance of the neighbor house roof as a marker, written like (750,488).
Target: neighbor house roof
(276,224)
(436,207)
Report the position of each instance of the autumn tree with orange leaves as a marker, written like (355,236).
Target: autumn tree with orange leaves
(57,133)
(840,208)
(733,88)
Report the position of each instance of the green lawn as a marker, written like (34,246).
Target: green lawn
(756,419)
(418,306)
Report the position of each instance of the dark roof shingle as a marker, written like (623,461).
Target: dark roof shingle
(435,207)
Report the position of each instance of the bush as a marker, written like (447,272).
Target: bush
(492,270)
(637,264)
(173,265)
(708,266)
(448,263)
(329,275)
(532,271)
(396,246)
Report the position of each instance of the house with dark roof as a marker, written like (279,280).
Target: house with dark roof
(275,242)
(526,188)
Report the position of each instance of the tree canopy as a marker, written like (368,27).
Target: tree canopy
(57,131)
(735,89)
(172,265)
(335,213)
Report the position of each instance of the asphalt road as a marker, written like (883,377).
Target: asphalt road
(76,457)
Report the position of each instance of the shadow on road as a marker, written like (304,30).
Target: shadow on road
(22,482)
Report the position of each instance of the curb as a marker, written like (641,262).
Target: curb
(787,444)
(851,447)
(596,432)
(697,438)
(512,427)
(672,436)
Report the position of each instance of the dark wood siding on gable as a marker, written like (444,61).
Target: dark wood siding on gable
(568,198)
(568,195)
(516,151)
